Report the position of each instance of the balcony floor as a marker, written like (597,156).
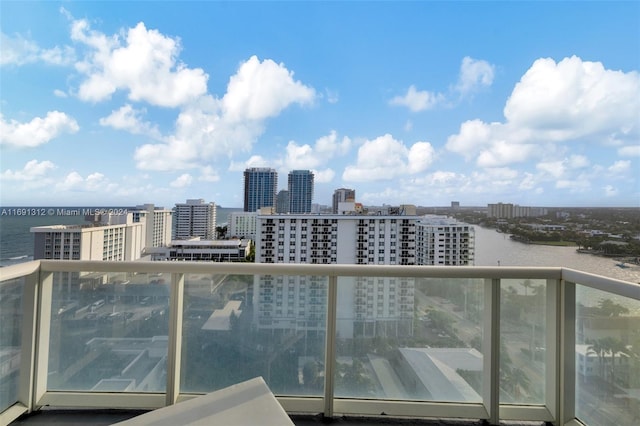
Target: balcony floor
(59,417)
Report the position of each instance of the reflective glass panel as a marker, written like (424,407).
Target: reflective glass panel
(607,358)
(409,339)
(108,332)
(10,340)
(237,327)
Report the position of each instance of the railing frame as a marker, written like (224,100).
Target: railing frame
(558,408)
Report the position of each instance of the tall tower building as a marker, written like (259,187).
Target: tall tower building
(195,218)
(260,187)
(342,195)
(300,191)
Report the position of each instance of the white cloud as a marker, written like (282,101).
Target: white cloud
(94,183)
(417,100)
(20,51)
(208,174)
(60,93)
(472,137)
(421,155)
(129,119)
(574,185)
(629,151)
(577,161)
(502,153)
(554,168)
(38,131)
(555,103)
(528,182)
(143,63)
(260,90)
(310,157)
(182,181)
(385,158)
(253,161)
(323,176)
(474,73)
(32,170)
(559,168)
(620,167)
(210,128)
(574,99)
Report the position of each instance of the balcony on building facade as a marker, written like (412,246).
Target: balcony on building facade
(498,344)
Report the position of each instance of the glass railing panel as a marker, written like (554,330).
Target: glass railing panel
(237,327)
(108,332)
(607,358)
(522,341)
(11,300)
(409,339)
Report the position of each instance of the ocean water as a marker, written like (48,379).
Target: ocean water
(16,240)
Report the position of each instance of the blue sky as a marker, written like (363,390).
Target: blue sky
(123,103)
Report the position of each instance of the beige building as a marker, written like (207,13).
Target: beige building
(107,237)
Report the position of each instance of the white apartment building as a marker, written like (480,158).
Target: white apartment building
(242,225)
(195,218)
(304,238)
(109,237)
(444,241)
(366,306)
(158,224)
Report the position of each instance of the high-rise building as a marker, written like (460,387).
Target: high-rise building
(343,195)
(378,306)
(195,218)
(347,239)
(300,191)
(444,241)
(158,222)
(260,187)
(282,201)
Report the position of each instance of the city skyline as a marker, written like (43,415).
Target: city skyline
(531,103)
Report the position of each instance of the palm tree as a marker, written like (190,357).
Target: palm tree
(597,347)
(609,308)
(615,346)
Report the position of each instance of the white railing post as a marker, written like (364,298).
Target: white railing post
(44,296)
(330,350)
(552,364)
(567,353)
(28,339)
(174,354)
(491,350)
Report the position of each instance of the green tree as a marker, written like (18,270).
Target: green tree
(608,308)
(597,347)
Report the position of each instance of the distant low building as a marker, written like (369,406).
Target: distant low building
(195,249)
(242,225)
(510,211)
